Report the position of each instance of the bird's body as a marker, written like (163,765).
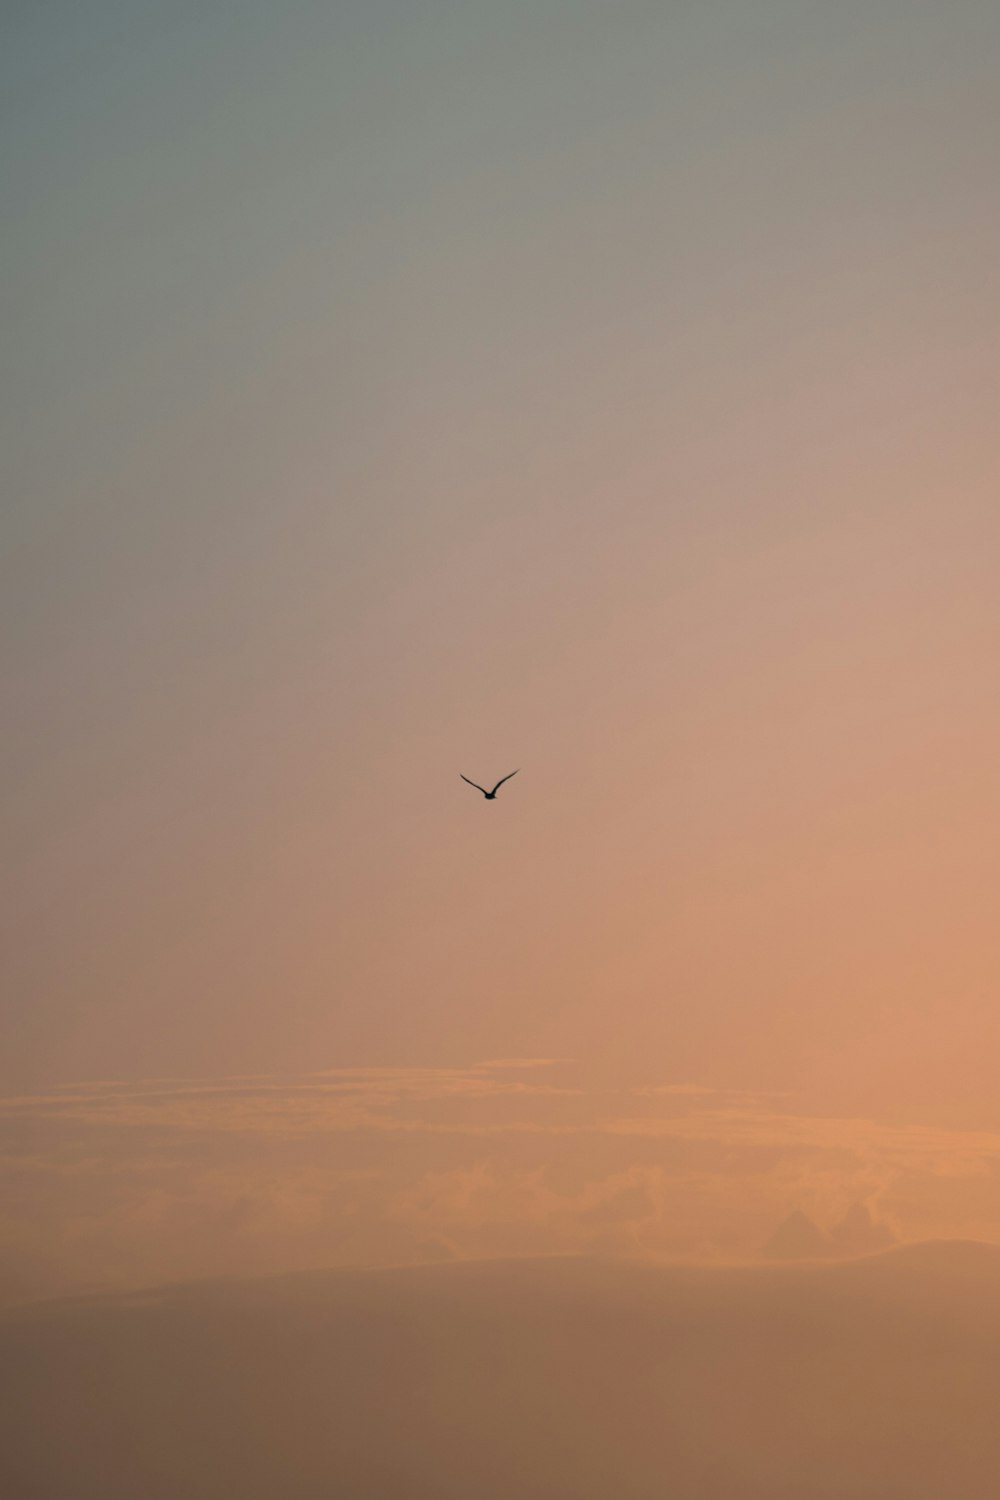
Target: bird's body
(490,796)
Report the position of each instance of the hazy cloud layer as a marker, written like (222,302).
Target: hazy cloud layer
(123,1183)
(539,1379)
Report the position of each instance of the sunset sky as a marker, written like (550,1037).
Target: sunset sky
(397,389)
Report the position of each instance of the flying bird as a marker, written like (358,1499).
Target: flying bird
(489,795)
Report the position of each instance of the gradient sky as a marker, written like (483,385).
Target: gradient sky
(397,389)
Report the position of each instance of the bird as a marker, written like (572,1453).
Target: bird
(489,795)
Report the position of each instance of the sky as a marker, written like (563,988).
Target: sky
(400,390)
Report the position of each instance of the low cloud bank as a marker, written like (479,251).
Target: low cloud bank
(121,1184)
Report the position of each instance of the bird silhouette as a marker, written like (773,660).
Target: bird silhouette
(489,795)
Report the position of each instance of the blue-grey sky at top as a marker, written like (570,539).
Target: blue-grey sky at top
(394,390)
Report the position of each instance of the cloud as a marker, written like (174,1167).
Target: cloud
(121,1182)
(344,1099)
(797,1237)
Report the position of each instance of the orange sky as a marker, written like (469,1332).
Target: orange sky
(401,391)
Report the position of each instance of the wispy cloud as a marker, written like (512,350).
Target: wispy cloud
(340,1099)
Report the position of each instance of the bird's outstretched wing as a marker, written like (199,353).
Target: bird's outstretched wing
(502,780)
(475,784)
